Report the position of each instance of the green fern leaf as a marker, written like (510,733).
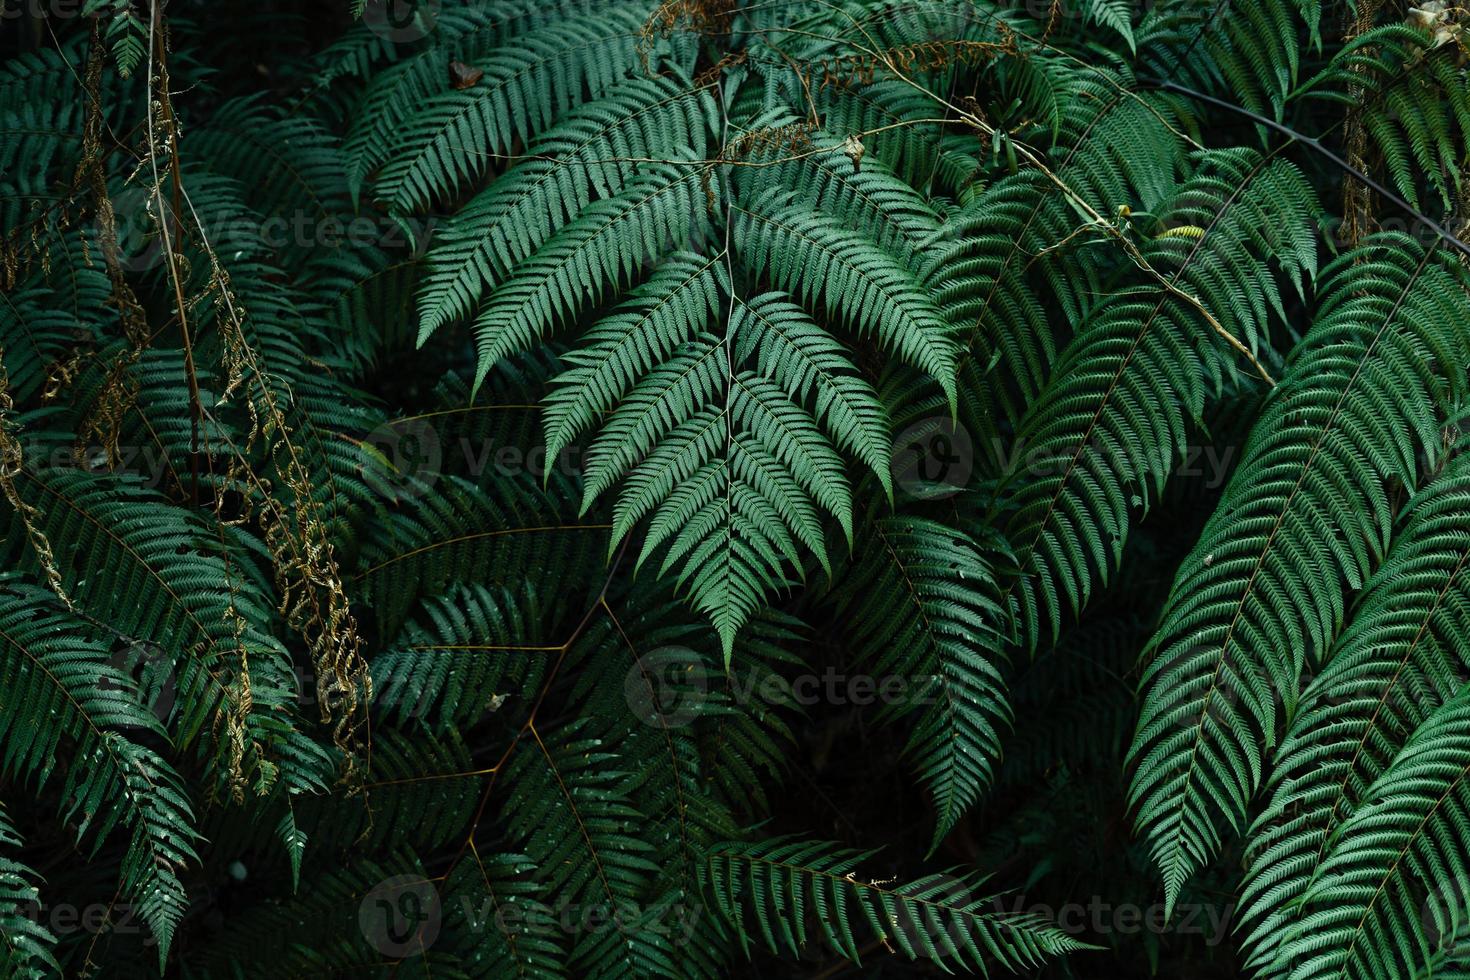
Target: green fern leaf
(1359,409)
(854,280)
(1399,658)
(772,890)
(51,671)
(923,603)
(582,156)
(26,953)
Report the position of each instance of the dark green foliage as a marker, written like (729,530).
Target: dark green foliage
(546,489)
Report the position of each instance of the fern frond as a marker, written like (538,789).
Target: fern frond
(1360,409)
(466,653)
(468,33)
(27,944)
(451,137)
(508,930)
(461,533)
(569,812)
(592,151)
(1413,100)
(1401,656)
(1115,15)
(804,361)
(60,689)
(853,279)
(1113,424)
(155,575)
(288,165)
(41,322)
(126,33)
(1387,898)
(603,247)
(770,891)
(1247,49)
(923,603)
(672,307)
(867,198)
(729,477)
(419,790)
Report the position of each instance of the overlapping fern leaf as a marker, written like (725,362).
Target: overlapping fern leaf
(157,578)
(923,605)
(1387,898)
(1099,441)
(1249,49)
(773,889)
(437,141)
(581,156)
(732,467)
(700,377)
(60,686)
(1359,412)
(1408,90)
(1399,662)
(527,373)
(572,814)
(27,942)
